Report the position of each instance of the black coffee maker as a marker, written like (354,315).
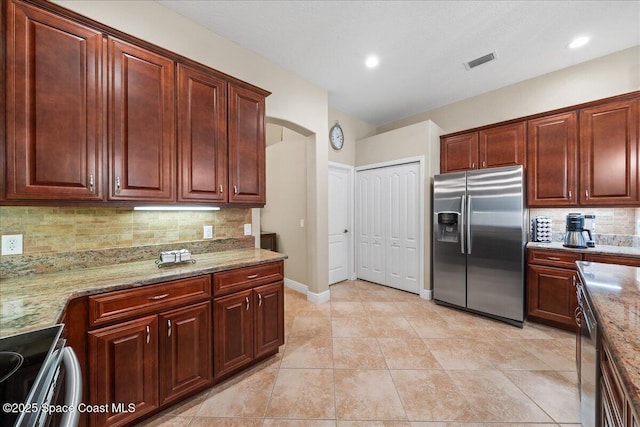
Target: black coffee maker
(576,235)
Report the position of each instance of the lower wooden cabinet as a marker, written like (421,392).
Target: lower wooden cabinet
(615,407)
(247,326)
(123,361)
(551,293)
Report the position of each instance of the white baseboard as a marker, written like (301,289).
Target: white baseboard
(296,286)
(318,298)
(426,294)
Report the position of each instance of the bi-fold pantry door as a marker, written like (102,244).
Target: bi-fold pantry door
(388,226)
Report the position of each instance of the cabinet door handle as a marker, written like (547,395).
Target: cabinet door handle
(252,276)
(235,189)
(586,194)
(158,297)
(220,189)
(484,164)
(570,195)
(246,302)
(91,183)
(473,165)
(577,314)
(148,334)
(259,300)
(117,185)
(554,258)
(169,327)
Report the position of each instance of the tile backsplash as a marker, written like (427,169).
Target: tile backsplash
(614,226)
(67,229)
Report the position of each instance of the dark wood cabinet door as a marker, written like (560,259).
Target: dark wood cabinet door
(269,318)
(123,362)
(202,136)
(551,296)
(141,124)
(53,106)
(246,135)
(185,350)
(609,154)
(501,146)
(232,332)
(459,152)
(552,161)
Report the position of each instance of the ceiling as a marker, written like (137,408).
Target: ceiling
(422,45)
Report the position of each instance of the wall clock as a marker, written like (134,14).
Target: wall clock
(336,136)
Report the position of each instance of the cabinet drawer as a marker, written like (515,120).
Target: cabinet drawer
(554,258)
(120,305)
(240,279)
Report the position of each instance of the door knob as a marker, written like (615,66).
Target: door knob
(345,231)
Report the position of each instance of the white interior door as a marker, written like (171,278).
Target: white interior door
(403,235)
(388,223)
(370,225)
(340,201)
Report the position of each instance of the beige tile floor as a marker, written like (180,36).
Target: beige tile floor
(376,356)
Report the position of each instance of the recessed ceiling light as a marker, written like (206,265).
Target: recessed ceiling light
(372,61)
(579,42)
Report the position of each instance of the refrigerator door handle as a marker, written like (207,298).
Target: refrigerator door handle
(461,224)
(468,224)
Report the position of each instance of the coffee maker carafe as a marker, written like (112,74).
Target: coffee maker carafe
(576,235)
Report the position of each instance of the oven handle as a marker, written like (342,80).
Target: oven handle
(73,387)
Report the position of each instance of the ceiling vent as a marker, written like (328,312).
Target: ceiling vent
(479,61)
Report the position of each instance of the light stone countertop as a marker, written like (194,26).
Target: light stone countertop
(599,249)
(37,301)
(614,291)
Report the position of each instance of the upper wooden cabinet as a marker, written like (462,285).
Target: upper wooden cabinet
(488,148)
(459,152)
(246,146)
(141,117)
(552,160)
(54,106)
(92,111)
(501,146)
(202,136)
(609,154)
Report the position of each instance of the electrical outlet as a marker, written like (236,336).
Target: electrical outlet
(247,229)
(12,244)
(302,223)
(207,232)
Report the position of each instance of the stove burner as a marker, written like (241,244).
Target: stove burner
(10,362)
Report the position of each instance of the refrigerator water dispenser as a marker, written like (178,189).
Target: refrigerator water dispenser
(448,227)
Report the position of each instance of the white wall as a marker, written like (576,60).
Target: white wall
(420,139)
(293,99)
(286,201)
(599,78)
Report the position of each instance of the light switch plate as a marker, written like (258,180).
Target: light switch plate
(207,232)
(12,244)
(247,229)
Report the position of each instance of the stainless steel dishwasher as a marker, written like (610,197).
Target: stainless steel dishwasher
(589,373)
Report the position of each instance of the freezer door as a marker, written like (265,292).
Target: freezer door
(449,259)
(495,242)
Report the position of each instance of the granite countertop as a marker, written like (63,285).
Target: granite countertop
(37,301)
(599,249)
(614,291)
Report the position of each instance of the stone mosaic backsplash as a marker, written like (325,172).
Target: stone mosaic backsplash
(614,226)
(58,238)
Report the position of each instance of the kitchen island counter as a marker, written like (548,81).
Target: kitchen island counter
(598,250)
(614,291)
(37,301)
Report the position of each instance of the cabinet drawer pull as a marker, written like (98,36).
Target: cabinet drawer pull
(117,185)
(259,300)
(148,334)
(252,276)
(158,297)
(246,302)
(554,258)
(168,327)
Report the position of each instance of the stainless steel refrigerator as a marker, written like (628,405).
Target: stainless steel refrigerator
(479,238)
